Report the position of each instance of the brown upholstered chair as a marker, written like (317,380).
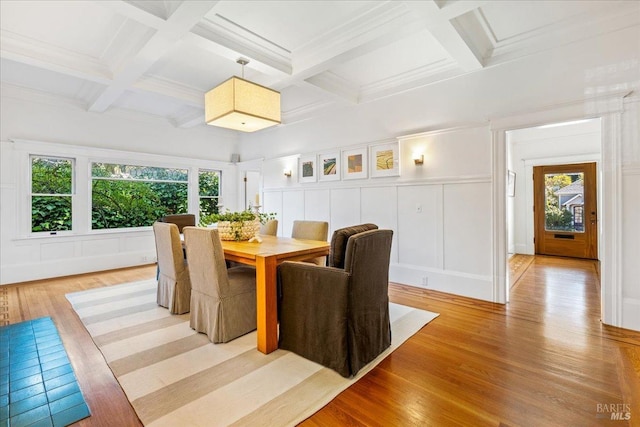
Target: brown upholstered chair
(311,230)
(223,301)
(269,228)
(174,286)
(339,317)
(339,240)
(181,220)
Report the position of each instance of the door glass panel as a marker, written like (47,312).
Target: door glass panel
(564,202)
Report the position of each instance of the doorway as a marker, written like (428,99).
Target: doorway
(251,189)
(565,210)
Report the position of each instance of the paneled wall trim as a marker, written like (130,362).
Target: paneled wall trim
(440,212)
(25,257)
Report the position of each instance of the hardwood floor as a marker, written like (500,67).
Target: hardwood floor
(544,359)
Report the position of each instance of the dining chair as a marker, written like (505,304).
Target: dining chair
(339,239)
(181,220)
(174,285)
(269,228)
(311,230)
(339,317)
(223,301)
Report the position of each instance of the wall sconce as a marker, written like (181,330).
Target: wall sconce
(418,159)
(287,173)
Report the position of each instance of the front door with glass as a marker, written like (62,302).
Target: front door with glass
(565,205)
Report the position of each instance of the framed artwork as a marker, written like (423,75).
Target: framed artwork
(384,159)
(307,168)
(354,163)
(511,183)
(329,166)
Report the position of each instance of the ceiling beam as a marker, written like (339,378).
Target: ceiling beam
(186,16)
(445,32)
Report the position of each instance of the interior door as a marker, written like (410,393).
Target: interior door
(565,210)
(251,188)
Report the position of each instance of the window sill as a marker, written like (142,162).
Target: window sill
(86,236)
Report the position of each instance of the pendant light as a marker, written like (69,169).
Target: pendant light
(242,105)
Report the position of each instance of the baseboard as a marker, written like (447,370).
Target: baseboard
(68,267)
(453,282)
(522,249)
(631,313)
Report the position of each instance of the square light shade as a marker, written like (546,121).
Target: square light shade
(242,105)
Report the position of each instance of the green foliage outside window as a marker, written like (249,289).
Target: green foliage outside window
(122,196)
(51,189)
(126,204)
(209,190)
(50,213)
(556,218)
(126,196)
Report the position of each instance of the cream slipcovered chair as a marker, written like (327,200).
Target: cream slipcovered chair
(174,286)
(223,301)
(269,228)
(311,230)
(339,317)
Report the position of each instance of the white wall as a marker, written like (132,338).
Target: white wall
(630,214)
(440,212)
(571,143)
(67,130)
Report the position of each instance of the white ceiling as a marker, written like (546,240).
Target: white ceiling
(160,57)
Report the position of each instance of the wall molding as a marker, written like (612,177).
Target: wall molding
(468,285)
(17,273)
(435,132)
(342,185)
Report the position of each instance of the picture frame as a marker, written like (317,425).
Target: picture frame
(511,183)
(307,168)
(329,166)
(355,163)
(384,160)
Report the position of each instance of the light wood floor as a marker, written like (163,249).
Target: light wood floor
(542,360)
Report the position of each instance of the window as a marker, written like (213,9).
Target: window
(209,192)
(51,193)
(563,191)
(126,196)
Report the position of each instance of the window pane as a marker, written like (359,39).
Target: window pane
(51,193)
(208,206)
(564,201)
(125,204)
(133,172)
(50,213)
(209,190)
(51,175)
(209,183)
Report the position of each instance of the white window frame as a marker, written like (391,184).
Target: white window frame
(31,194)
(81,204)
(218,197)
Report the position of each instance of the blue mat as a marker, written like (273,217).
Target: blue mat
(37,383)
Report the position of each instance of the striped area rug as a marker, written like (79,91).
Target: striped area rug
(174,376)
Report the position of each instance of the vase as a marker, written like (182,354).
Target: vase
(238,230)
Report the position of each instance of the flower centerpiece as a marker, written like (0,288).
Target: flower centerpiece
(242,225)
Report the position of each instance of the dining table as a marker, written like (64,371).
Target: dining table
(266,255)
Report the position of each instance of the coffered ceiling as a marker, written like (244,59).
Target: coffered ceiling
(160,57)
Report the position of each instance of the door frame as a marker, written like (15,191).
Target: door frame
(609,109)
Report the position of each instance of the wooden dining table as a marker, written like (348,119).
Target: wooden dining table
(266,256)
